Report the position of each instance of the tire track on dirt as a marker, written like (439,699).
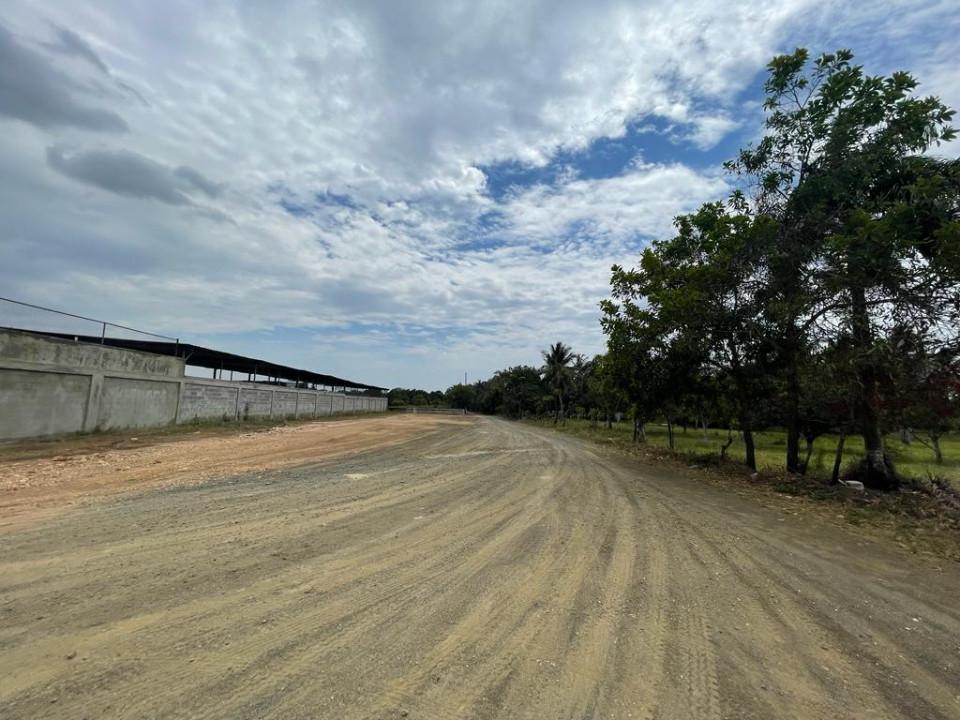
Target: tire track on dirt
(488,570)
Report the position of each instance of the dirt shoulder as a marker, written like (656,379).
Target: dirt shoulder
(38,479)
(914,519)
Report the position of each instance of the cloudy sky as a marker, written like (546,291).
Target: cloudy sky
(395,192)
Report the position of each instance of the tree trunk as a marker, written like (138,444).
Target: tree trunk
(643,432)
(877,471)
(726,445)
(838,459)
(806,460)
(669,432)
(748,448)
(636,430)
(743,408)
(793,399)
(746,428)
(937,452)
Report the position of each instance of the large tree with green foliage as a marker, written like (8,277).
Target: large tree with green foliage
(604,390)
(867,224)
(703,291)
(520,390)
(651,364)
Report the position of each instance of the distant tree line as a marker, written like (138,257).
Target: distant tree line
(404,397)
(822,296)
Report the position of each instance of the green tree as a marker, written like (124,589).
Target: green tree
(556,374)
(604,390)
(925,387)
(462,396)
(865,222)
(581,371)
(650,365)
(522,389)
(705,288)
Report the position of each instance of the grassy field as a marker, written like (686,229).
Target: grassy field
(913,460)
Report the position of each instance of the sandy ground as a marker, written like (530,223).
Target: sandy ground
(482,570)
(52,477)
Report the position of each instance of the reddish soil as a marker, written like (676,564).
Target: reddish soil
(41,479)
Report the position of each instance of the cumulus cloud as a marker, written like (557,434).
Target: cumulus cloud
(33,91)
(641,202)
(128,173)
(347,143)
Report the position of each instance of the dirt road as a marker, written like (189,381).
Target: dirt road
(486,570)
(43,479)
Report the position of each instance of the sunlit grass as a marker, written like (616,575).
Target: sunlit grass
(914,460)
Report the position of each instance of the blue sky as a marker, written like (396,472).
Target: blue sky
(392,192)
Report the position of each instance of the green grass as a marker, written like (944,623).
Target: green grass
(914,460)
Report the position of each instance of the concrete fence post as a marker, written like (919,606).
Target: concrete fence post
(92,411)
(176,414)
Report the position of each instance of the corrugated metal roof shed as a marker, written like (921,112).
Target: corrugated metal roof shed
(218,360)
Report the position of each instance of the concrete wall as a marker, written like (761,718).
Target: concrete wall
(325,404)
(132,403)
(41,403)
(207,401)
(41,351)
(284,403)
(50,386)
(255,402)
(214,399)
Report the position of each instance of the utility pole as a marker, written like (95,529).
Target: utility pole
(464,377)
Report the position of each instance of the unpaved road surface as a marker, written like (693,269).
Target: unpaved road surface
(53,476)
(485,570)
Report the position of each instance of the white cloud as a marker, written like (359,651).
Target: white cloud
(641,202)
(370,121)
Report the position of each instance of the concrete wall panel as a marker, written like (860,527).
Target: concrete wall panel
(284,403)
(33,404)
(255,403)
(324,404)
(129,403)
(306,404)
(203,401)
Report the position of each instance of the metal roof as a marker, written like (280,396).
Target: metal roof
(200,356)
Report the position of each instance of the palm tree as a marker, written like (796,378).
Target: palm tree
(556,373)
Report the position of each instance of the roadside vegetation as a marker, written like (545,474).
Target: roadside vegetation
(810,322)
(912,460)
